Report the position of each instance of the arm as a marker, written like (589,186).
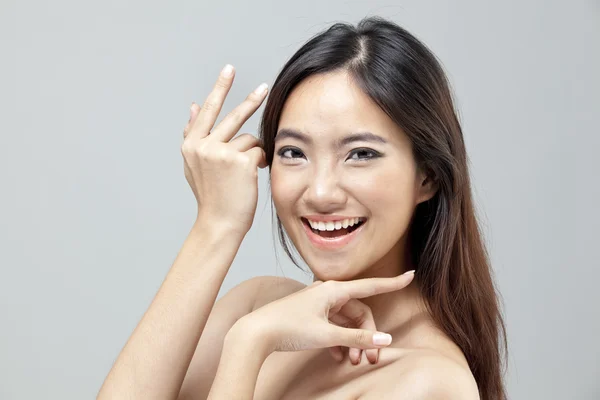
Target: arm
(245,350)
(238,302)
(153,363)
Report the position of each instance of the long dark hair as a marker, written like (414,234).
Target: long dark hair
(453,271)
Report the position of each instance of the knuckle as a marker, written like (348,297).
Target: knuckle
(202,153)
(329,285)
(221,155)
(246,136)
(209,105)
(222,83)
(359,337)
(186,147)
(254,98)
(361,317)
(235,116)
(249,164)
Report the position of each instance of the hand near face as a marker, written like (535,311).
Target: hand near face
(303,320)
(222,170)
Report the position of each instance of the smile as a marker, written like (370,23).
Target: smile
(332,234)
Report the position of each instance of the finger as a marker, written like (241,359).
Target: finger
(358,338)
(257,154)
(245,142)
(372,355)
(212,105)
(341,320)
(337,353)
(367,287)
(233,121)
(355,355)
(361,317)
(194,109)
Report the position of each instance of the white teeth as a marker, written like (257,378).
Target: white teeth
(333,225)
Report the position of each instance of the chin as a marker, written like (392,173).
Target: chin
(326,269)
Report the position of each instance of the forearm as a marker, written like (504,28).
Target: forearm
(153,363)
(244,352)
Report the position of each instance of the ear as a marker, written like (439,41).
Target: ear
(427,186)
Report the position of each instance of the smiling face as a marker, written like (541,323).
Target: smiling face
(344,180)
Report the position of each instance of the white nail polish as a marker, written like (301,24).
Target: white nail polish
(261,88)
(382,339)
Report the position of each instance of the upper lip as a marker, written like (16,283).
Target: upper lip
(328,218)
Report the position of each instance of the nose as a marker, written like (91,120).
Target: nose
(324,193)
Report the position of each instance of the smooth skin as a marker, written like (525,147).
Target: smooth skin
(183,336)
(300,321)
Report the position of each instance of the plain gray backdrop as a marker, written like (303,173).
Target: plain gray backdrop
(94,205)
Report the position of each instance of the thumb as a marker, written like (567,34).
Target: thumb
(360,338)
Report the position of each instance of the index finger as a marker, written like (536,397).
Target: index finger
(205,120)
(368,287)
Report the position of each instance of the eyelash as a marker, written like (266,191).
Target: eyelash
(373,153)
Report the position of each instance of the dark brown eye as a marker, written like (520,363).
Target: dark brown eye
(363,154)
(289,152)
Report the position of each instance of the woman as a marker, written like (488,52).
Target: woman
(370,181)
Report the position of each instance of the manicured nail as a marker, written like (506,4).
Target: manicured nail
(382,339)
(227,70)
(261,88)
(407,273)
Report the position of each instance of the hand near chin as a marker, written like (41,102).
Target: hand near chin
(323,315)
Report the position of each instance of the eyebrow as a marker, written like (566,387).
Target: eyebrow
(286,133)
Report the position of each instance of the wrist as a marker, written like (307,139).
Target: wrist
(246,332)
(218,227)
(217,232)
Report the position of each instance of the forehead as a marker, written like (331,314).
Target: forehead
(332,104)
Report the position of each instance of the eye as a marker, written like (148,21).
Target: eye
(363,154)
(290,152)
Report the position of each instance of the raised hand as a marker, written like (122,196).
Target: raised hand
(223,172)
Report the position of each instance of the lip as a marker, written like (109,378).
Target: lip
(324,243)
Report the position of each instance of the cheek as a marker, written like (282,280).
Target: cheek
(386,191)
(389,197)
(282,191)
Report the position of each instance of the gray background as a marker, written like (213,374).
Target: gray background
(94,205)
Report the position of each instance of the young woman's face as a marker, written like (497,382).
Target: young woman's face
(338,158)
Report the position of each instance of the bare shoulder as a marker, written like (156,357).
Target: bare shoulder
(239,301)
(423,374)
(271,288)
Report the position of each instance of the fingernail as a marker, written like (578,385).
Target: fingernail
(407,273)
(261,88)
(227,70)
(376,359)
(382,339)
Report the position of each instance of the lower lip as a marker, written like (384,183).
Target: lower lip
(331,243)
